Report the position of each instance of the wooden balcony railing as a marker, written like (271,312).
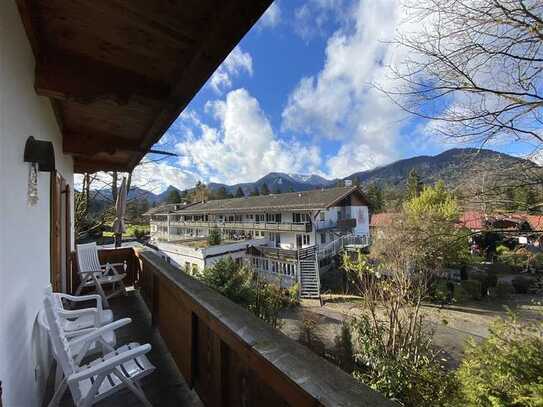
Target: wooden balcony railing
(279,227)
(232,358)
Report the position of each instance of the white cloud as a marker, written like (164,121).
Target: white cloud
(271,17)
(151,176)
(340,102)
(311,18)
(244,147)
(235,63)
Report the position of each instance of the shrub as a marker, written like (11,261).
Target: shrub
(237,283)
(521,284)
(439,292)
(460,294)
(294,294)
(506,369)
(231,280)
(487,280)
(214,237)
(501,291)
(414,378)
(472,288)
(502,249)
(139,233)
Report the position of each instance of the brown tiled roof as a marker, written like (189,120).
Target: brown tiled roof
(305,200)
(475,220)
(382,219)
(164,209)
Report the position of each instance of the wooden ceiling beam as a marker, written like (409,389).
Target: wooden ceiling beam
(71,77)
(82,165)
(91,143)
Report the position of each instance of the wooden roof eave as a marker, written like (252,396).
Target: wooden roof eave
(111,112)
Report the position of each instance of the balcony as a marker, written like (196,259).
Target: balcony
(225,354)
(343,224)
(274,227)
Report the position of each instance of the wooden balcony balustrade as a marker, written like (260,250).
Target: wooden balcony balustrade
(279,227)
(229,356)
(232,358)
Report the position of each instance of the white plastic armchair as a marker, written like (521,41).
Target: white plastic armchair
(92,382)
(80,321)
(95,275)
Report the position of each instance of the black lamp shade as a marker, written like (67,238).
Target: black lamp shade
(40,152)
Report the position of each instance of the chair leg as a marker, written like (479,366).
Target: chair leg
(58,394)
(78,291)
(101,292)
(58,376)
(135,387)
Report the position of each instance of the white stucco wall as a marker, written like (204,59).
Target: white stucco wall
(24,231)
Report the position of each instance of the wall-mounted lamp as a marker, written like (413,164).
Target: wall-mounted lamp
(41,153)
(41,156)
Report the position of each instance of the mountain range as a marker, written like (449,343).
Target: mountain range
(455,167)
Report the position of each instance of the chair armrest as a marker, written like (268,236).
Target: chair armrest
(108,365)
(97,333)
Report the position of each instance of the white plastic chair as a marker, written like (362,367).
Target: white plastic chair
(94,381)
(82,320)
(95,275)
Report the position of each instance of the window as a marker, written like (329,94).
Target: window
(187,267)
(300,217)
(306,239)
(322,216)
(194,268)
(260,218)
(323,238)
(273,217)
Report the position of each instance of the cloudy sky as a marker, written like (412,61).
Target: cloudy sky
(296,96)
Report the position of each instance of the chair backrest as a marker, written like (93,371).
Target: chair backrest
(87,257)
(61,347)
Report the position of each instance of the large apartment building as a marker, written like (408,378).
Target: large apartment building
(290,237)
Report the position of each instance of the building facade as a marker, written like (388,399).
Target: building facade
(289,237)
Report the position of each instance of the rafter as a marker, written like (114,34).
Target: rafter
(90,143)
(82,165)
(70,77)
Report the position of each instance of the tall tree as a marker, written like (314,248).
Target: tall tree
(414,184)
(239,193)
(375,197)
(173,196)
(484,56)
(264,190)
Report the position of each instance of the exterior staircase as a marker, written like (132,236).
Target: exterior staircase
(309,278)
(334,247)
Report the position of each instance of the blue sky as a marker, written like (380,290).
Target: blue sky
(295,96)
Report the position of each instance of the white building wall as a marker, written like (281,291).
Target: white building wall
(24,231)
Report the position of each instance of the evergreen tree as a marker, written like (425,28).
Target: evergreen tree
(375,197)
(222,193)
(414,185)
(255,192)
(239,193)
(174,197)
(290,189)
(264,190)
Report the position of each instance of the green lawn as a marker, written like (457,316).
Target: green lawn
(130,228)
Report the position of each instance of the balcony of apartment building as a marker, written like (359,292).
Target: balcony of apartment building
(271,224)
(210,351)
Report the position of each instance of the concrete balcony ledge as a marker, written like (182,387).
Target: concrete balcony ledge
(231,357)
